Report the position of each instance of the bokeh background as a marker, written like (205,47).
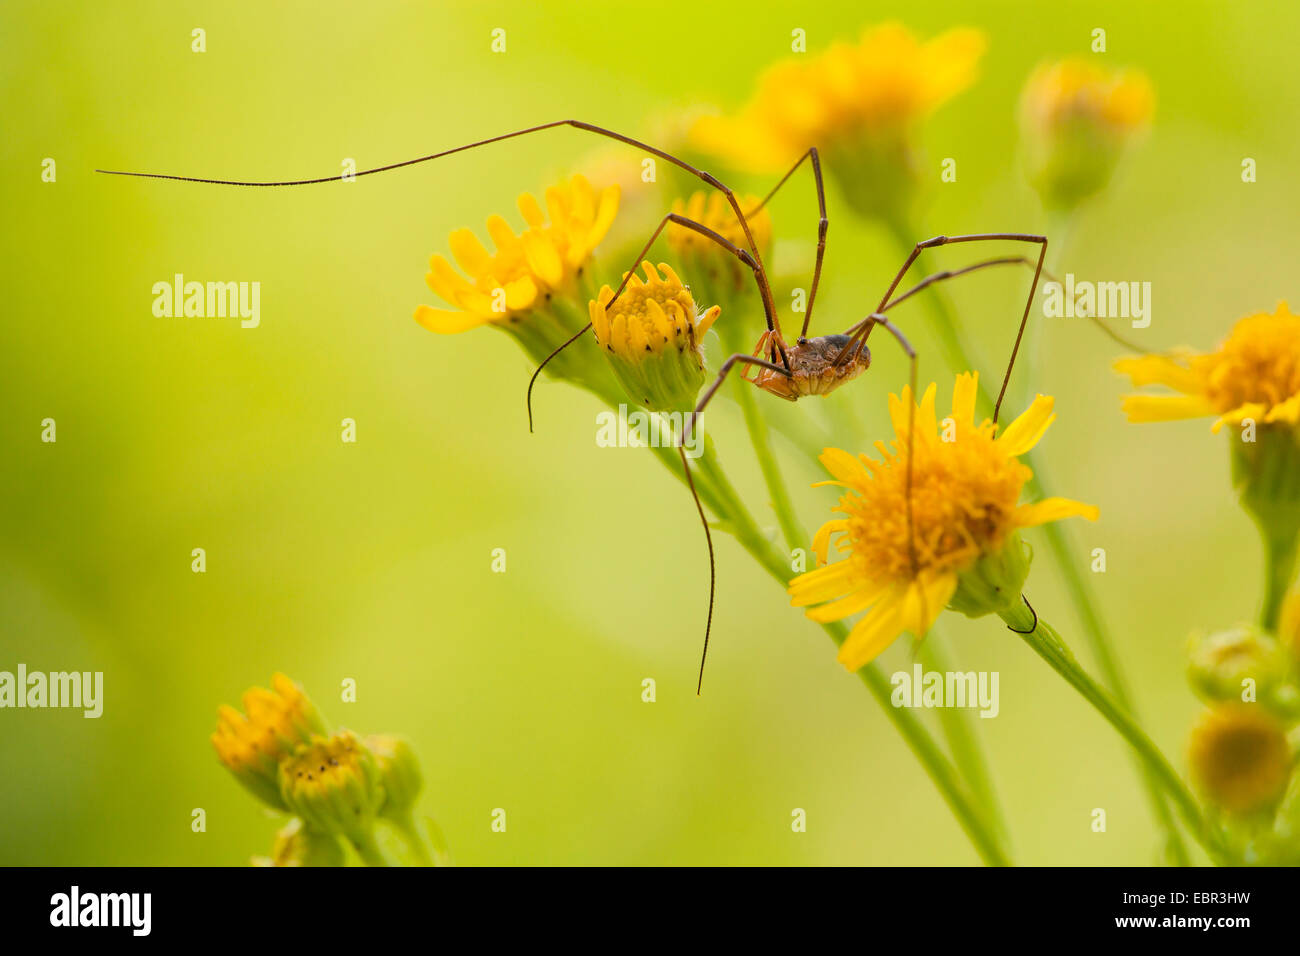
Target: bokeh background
(372,561)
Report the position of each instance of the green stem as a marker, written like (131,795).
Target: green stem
(908,725)
(958,354)
(960,729)
(369,851)
(1279,569)
(720,497)
(406,825)
(1047,644)
(795,535)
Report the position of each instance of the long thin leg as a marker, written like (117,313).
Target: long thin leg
(709,178)
(857,335)
(740,358)
(741,254)
(982,237)
(822,225)
(1003,260)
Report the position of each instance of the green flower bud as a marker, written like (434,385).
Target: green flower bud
(994,582)
(399,773)
(1244,663)
(652,336)
(334,785)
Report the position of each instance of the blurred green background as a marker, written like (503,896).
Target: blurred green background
(372,561)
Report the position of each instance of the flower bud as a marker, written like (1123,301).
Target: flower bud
(1221,664)
(993,583)
(1077,119)
(652,337)
(399,773)
(1240,758)
(252,745)
(333,784)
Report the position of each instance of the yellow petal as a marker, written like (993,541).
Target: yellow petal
(1025,432)
(543,259)
(531,210)
(706,321)
(824,584)
(521,293)
(1160,370)
(469,253)
(925,599)
(845,467)
(446,282)
(879,628)
(1165,408)
(821,540)
(850,604)
(446,322)
(964,394)
(1053,509)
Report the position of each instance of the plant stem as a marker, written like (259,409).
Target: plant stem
(369,851)
(1047,644)
(406,825)
(960,729)
(718,494)
(1279,568)
(922,744)
(958,355)
(791,529)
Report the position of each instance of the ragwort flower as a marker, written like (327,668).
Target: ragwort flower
(966,484)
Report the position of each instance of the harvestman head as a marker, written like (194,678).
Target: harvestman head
(811,366)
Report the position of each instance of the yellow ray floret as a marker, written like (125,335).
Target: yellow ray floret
(1076,89)
(525,267)
(1254,373)
(650,317)
(877,86)
(966,483)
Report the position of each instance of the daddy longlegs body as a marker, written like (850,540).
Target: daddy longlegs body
(811,366)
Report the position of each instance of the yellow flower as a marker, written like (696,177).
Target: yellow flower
(858,102)
(1240,758)
(1076,118)
(716,273)
(1254,373)
(251,747)
(527,268)
(965,494)
(886,81)
(652,336)
(333,783)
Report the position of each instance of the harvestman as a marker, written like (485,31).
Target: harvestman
(812,366)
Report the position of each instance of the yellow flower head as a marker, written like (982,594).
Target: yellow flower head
(527,268)
(851,93)
(1076,118)
(252,744)
(1254,373)
(652,336)
(966,484)
(1240,758)
(713,267)
(333,783)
